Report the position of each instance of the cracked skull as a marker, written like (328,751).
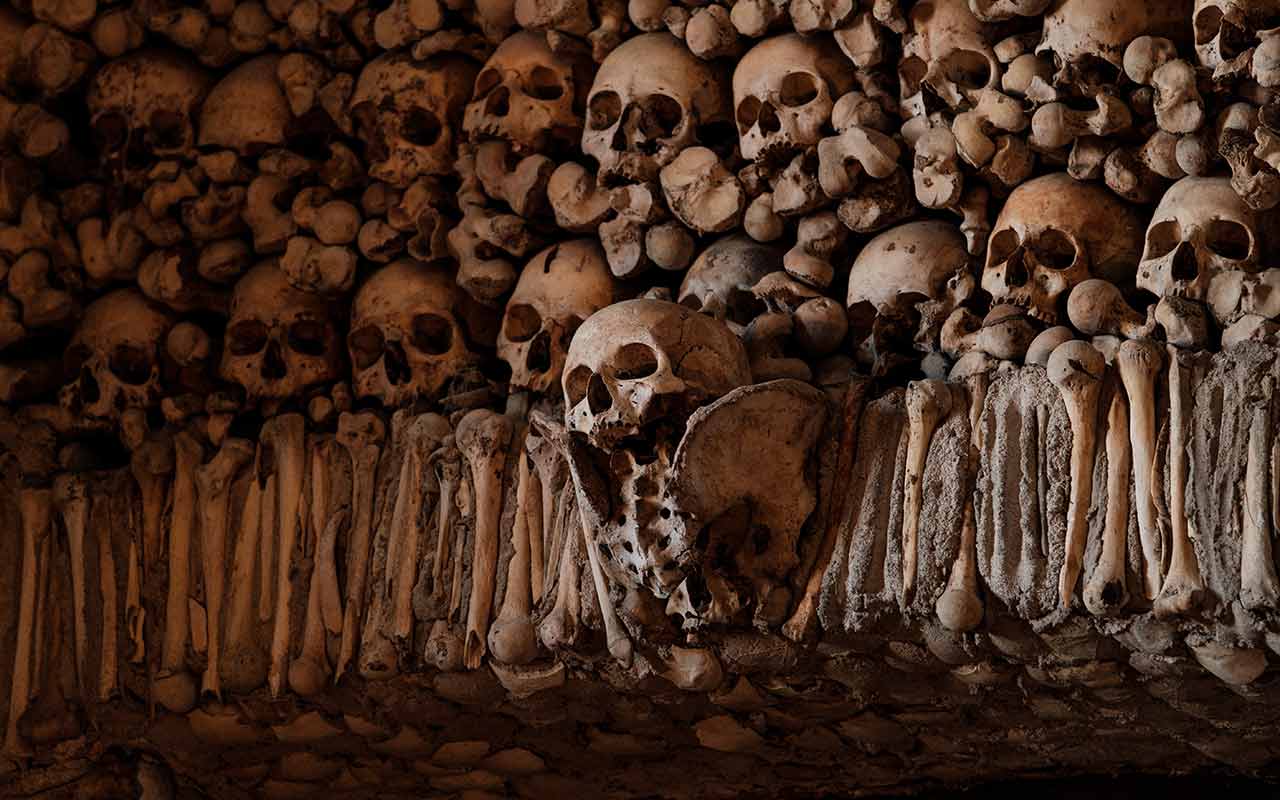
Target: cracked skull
(1226,29)
(1053,233)
(721,280)
(1087,38)
(280,341)
(560,288)
(113,362)
(406,341)
(947,56)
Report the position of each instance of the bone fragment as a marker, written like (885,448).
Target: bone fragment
(244,663)
(309,672)
(108,666)
(286,434)
(1259,586)
(927,402)
(1105,593)
(512,639)
(267,541)
(71,500)
(482,437)
(362,435)
(152,464)
(36,506)
(960,607)
(174,686)
(559,629)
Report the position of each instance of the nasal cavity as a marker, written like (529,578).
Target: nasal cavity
(538,360)
(768,120)
(498,103)
(397,364)
(598,398)
(1185,267)
(1015,269)
(273,367)
(89,391)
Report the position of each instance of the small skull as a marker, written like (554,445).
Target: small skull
(721,280)
(1087,38)
(142,109)
(1224,29)
(947,56)
(1053,233)
(527,95)
(406,340)
(114,360)
(783,91)
(407,111)
(651,99)
(280,341)
(560,288)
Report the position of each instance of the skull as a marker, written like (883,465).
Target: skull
(280,341)
(407,112)
(247,111)
(783,91)
(1087,38)
(1201,231)
(902,286)
(1053,233)
(562,286)
(406,341)
(142,109)
(720,281)
(650,100)
(113,360)
(947,55)
(1224,29)
(527,94)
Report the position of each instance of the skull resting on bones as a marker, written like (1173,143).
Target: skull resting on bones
(1224,29)
(1053,233)
(407,111)
(947,55)
(650,100)
(560,288)
(1087,38)
(280,341)
(247,111)
(406,339)
(114,359)
(783,91)
(720,281)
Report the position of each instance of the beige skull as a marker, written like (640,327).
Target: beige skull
(720,281)
(560,288)
(113,362)
(649,100)
(783,91)
(406,341)
(1224,29)
(527,95)
(947,55)
(247,111)
(1087,38)
(1053,233)
(407,112)
(280,341)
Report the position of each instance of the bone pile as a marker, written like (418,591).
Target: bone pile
(820,368)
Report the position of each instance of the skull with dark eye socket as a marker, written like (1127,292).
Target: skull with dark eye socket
(280,342)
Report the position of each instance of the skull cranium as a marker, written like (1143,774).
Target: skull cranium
(1087,38)
(947,54)
(721,280)
(1224,29)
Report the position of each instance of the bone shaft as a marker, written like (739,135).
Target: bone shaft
(1142,441)
(290,462)
(1183,566)
(487,476)
(1259,587)
(407,566)
(176,619)
(109,674)
(358,555)
(534,523)
(73,518)
(1083,438)
(1106,591)
(240,619)
(35,506)
(267,544)
(918,439)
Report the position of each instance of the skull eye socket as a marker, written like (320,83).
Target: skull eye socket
(130,364)
(967,69)
(575,384)
(111,130)
(421,127)
(911,71)
(1228,239)
(798,89)
(1162,238)
(634,361)
(692,302)
(748,112)
(544,84)
(1054,249)
(1002,245)
(664,112)
(307,337)
(168,130)
(603,110)
(246,338)
(1207,23)
(522,323)
(75,358)
(432,334)
(486,81)
(366,345)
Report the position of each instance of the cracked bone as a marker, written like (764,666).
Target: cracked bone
(559,628)
(1183,587)
(36,506)
(362,435)
(174,686)
(1139,361)
(71,500)
(1259,586)
(548,478)
(285,434)
(859,150)
(213,488)
(512,639)
(481,437)
(928,401)
(1105,593)
(244,664)
(426,434)
(702,192)
(309,672)
(1056,125)
(1077,368)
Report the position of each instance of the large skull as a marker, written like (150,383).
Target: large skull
(247,111)
(1200,231)
(1226,28)
(783,91)
(720,281)
(406,340)
(1087,38)
(1053,233)
(407,112)
(142,108)
(947,55)
(280,341)
(113,361)
(649,100)
(528,95)
(560,288)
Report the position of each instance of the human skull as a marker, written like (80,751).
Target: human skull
(783,91)
(247,111)
(1053,233)
(720,281)
(1087,38)
(527,95)
(560,288)
(279,341)
(142,108)
(406,340)
(407,111)
(1201,230)
(649,101)
(948,55)
(1226,28)
(113,361)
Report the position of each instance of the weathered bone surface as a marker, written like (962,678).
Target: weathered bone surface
(657,399)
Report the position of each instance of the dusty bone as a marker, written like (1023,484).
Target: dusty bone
(928,401)
(512,639)
(549,479)
(109,658)
(445,464)
(1096,307)
(936,171)
(973,129)
(844,158)
(1183,586)
(36,506)
(701,192)
(174,686)
(267,543)
(1104,592)
(959,607)
(70,499)
(1139,361)
(286,436)
(1076,368)
(559,628)
(213,487)
(1152,61)
(481,437)
(244,664)
(1259,585)
(1056,125)
(362,435)
(309,672)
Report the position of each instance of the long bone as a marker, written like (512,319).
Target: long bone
(70,499)
(267,541)
(37,507)
(1139,362)
(174,686)
(108,665)
(244,663)
(959,607)
(1183,586)
(425,436)
(1105,592)
(548,478)
(310,670)
(213,486)
(559,628)
(512,639)
(362,435)
(1076,368)
(444,462)
(1259,586)
(482,438)
(286,435)
(927,402)
(151,465)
